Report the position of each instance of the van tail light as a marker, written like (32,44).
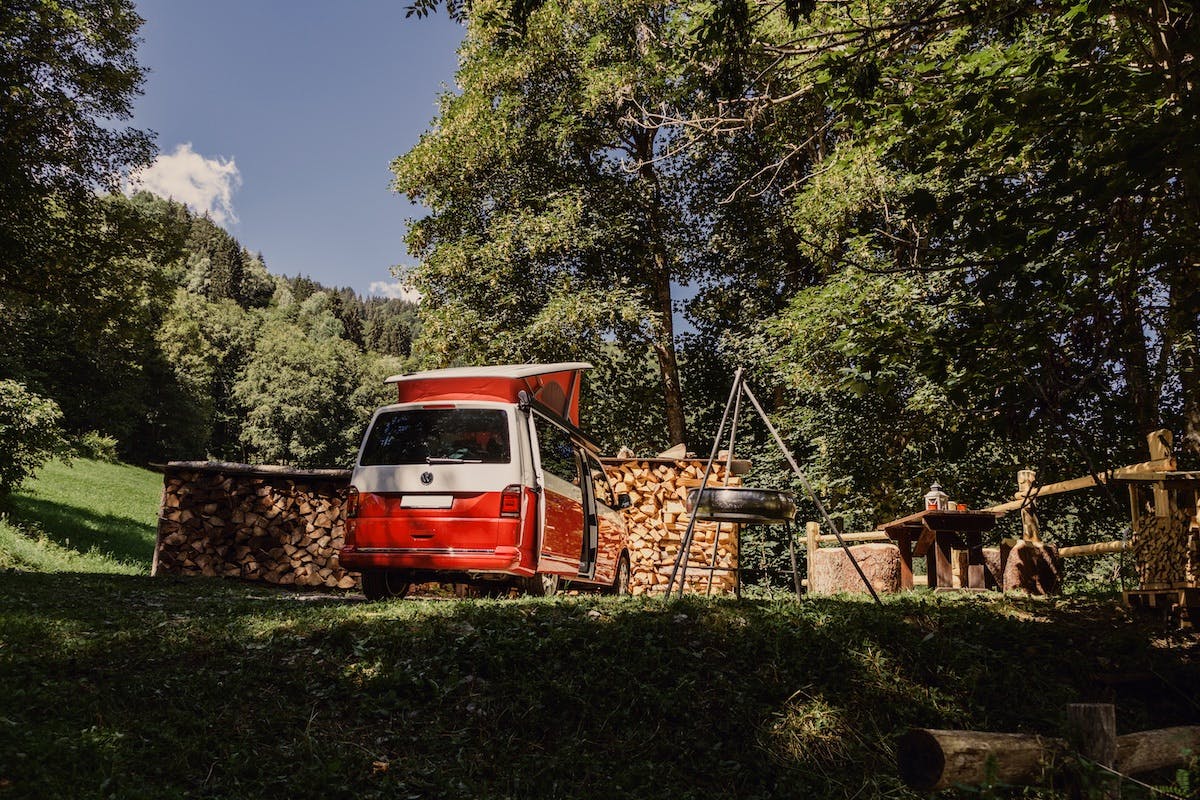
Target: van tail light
(510,501)
(353,503)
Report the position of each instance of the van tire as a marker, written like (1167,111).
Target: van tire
(541,584)
(382,584)
(620,586)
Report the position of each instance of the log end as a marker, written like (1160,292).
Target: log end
(921,760)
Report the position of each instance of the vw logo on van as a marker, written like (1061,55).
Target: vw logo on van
(426,478)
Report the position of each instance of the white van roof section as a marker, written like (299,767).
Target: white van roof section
(502,371)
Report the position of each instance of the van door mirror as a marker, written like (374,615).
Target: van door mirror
(624,501)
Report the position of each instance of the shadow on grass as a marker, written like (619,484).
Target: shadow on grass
(80,529)
(167,687)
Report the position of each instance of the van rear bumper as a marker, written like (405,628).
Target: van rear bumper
(504,558)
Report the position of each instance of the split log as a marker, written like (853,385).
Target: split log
(268,524)
(1164,549)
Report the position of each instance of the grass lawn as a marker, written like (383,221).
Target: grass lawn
(87,516)
(126,686)
(132,687)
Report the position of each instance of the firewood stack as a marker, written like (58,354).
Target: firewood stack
(658,520)
(1165,550)
(268,524)
(284,526)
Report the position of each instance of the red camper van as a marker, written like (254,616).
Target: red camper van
(481,475)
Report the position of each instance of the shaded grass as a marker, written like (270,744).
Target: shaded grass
(130,687)
(27,548)
(86,516)
(137,687)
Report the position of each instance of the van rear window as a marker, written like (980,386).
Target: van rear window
(438,436)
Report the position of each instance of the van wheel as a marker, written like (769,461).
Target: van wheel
(542,584)
(620,585)
(382,584)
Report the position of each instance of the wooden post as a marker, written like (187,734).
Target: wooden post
(1160,442)
(904,541)
(1135,509)
(975,566)
(1030,529)
(812,533)
(791,536)
(1092,732)
(158,532)
(942,566)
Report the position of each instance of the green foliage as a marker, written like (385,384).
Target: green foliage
(556,222)
(96,447)
(206,343)
(69,68)
(147,343)
(219,268)
(30,434)
(992,220)
(68,78)
(90,345)
(295,392)
(28,549)
(389,326)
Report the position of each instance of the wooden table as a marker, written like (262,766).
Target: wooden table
(932,534)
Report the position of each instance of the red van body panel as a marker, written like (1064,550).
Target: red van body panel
(469,537)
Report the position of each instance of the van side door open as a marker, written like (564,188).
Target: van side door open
(570,535)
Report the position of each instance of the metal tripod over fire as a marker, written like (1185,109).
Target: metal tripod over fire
(748,505)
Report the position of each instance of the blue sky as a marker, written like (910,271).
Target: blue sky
(282,118)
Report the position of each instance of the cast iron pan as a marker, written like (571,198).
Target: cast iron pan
(744,504)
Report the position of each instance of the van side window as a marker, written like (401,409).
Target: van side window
(604,492)
(557,452)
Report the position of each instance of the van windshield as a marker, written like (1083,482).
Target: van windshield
(438,436)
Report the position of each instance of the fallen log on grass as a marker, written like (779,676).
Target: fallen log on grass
(936,759)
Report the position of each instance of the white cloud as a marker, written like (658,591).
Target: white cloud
(204,184)
(397,290)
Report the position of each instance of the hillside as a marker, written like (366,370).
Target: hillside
(86,516)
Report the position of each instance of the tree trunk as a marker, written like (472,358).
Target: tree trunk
(659,280)
(668,366)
